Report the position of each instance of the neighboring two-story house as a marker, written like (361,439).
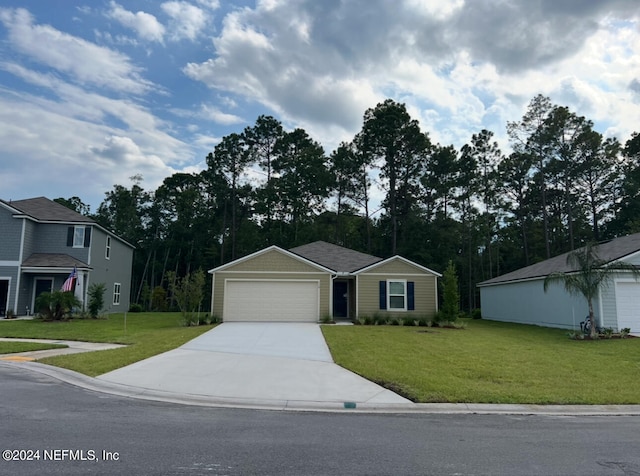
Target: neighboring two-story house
(42,242)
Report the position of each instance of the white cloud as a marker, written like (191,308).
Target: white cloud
(188,21)
(84,62)
(145,25)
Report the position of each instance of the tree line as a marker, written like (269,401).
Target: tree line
(562,185)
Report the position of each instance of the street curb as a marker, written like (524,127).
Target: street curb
(101,386)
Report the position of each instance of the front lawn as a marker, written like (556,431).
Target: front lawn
(146,335)
(490,362)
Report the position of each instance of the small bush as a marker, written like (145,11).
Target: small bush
(607,332)
(10,314)
(476,314)
(625,332)
(135,307)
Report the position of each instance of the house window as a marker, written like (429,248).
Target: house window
(107,251)
(116,294)
(78,236)
(397,295)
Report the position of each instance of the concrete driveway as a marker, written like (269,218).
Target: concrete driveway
(270,363)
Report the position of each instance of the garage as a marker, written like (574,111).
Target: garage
(628,305)
(271,300)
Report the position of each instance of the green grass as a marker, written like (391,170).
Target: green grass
(14,347)
(491,362)
(146,335)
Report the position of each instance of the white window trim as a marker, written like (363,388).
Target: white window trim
(107,250)
(116,294)
(75,234)
(404,295)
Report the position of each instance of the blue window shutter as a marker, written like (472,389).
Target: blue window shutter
(87,236)
(70,236)
(383,294)
(411,305)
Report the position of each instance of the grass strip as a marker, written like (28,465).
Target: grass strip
(145,334)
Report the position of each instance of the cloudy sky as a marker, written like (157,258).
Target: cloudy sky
(93,92)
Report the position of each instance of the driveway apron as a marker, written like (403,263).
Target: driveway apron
(270,362)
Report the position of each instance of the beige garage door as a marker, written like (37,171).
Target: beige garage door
(628,305)
(276,301)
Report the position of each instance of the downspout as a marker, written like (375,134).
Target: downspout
(20,257)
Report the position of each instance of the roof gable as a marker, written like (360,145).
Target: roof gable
(404,262)
(261,261)
(334,257)
(613,250)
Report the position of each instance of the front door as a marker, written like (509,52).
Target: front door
(341,298)
(4,296)
(42,285)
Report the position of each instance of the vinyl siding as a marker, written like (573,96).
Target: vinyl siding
(273,261)
(527,303)
(117,269)
(220,276)
(52,238)
(10,236)
(395,267)
(368,290)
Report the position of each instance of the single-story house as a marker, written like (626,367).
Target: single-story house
(519,296)
(43,242)
(318,280)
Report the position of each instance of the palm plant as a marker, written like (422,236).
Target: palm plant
(589,272)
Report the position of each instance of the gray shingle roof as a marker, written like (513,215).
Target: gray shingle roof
(607,251)
(43,209)
(337,258)
(52,260)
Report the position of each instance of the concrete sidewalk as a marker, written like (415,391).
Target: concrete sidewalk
(73,347)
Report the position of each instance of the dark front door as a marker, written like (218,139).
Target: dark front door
(42,286)
(340,299)
(4,295)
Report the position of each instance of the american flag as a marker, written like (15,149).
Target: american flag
(70,283)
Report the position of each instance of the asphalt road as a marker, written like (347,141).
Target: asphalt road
(75,431)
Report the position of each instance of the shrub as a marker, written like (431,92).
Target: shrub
(56,305)
(476,314)
(135,307)
(607,332)
(10,314)
(96,299)
(625,332)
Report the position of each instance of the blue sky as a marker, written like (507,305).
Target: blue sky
(94,92)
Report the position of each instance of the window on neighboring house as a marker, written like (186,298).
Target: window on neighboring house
(397,295)
(79,236)
(116,294)
(107,251)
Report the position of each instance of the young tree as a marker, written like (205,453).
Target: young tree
(588,273)
(450,294)
(188,293)
(96,299)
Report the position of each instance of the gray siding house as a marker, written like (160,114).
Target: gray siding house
(42,242)
(519,296)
